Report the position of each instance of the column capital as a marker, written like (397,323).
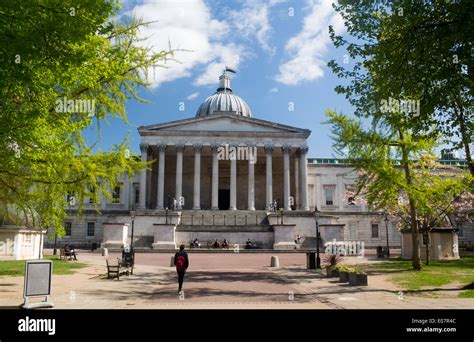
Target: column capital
(179,147)
(214,147)
(143,147)
(303,150)
(197,147)
(162,147)
(286,149)
(268,149)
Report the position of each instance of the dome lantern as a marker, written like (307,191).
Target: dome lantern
(224,100)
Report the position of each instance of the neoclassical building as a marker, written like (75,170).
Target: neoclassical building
(225,174)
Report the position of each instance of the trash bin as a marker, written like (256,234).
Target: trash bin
(94,246)
(380,252)
(311,260)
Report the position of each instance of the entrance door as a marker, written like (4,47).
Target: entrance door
(224,199)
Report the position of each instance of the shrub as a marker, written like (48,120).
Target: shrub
(331,260)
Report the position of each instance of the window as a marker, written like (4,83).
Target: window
(90,228)
(329,194)
(375,230)
(352,231)
(116,194)
(137,194)
(67,228)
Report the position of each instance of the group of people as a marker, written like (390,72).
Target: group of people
(218,244)
(250,245)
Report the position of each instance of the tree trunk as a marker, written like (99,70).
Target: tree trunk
(427,253)
(415,236)
(466,138)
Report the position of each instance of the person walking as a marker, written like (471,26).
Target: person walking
(181,262)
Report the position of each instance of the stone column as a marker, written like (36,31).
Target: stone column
(251,184)
(269,179)
(304,178)
(161,177)
(126,192)
(179,174)
(297,182)
(286,177)
(233,183)
(215,178)
(197,177)
(144,150)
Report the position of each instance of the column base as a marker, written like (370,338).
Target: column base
(253,208)
(214,208)
(196,208)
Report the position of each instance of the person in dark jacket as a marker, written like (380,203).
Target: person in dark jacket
(181,262)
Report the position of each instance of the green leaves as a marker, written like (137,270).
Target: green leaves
(71,52)
(412,50)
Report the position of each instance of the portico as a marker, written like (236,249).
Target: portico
(189,164)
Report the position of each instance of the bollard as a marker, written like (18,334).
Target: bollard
(172,261)
(274,262)
(105,252)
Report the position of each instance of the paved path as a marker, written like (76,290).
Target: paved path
(220,281)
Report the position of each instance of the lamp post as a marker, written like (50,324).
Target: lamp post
(316,218)
(133,226)
(386,233)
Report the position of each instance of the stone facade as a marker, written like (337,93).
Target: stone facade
(192,191)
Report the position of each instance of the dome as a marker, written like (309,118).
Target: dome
(223,100)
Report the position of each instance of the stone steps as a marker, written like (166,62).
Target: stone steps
(225,229)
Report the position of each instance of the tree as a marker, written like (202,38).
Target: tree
(397,171)
(416,55)
(66,66)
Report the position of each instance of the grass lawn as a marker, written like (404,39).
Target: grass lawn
(17,267)
(437,274)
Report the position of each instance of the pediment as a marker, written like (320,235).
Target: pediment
(223,123)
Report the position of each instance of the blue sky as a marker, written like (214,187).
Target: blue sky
(279,48)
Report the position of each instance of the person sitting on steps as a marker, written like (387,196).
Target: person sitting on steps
(195,243)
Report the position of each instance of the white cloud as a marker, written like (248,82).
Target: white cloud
(193,96)
(273,90)
(252,21)
(230,55)
(188,26)
(306,50)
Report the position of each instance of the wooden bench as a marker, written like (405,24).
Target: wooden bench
(115,268)
(63,256)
